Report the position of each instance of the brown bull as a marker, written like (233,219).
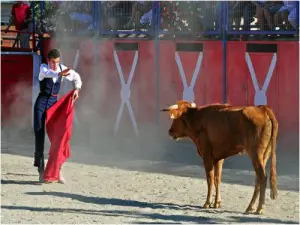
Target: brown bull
(220,131)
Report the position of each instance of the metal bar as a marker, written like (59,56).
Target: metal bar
(19,32)
(17,53)
(261,32)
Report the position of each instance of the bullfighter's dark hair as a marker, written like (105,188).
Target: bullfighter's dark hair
(53,53)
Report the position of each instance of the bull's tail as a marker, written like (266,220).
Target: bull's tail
(272,144)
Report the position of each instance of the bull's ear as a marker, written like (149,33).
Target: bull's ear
(165,110)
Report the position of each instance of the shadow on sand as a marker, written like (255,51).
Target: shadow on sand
(177,218)
(178,159)
(20,182)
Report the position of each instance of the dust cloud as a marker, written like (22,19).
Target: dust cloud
(94,140)
(17,121)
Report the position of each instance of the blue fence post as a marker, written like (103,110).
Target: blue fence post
(97,16)
(224,49)
(297,15)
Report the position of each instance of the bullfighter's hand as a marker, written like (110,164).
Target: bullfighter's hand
(75,95)
(65,72)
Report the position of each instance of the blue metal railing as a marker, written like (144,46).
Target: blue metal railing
(267,17)
(194,18)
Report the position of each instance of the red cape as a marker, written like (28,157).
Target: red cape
(59,120)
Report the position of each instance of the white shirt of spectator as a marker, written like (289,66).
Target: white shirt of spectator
(46,72)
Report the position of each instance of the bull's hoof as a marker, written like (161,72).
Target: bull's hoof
(217,205)
(206,206)
(259,211)
(250,210)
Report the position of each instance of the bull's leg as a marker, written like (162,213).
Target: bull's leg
(263,184)
(218,175)
(209,170)
(260,184)
(250,208)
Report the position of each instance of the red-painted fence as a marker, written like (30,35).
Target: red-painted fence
(16,87)
(261,72)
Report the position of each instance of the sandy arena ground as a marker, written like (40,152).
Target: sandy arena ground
(105,194)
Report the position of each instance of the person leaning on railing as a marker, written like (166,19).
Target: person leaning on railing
(267,12)
(139,8)
(287,13)
(21,18)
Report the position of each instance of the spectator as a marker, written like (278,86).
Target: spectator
(81,15)
(21,18)
(269,11)
(146,18)
(236,13)
(139,8)
(114,14)
(266,11)
(288,12)
(245,9)
(211,13)
(259,13)
(46,26)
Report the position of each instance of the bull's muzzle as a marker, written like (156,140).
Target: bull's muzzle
(172,135)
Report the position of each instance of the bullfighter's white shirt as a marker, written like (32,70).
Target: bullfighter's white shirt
(46,72)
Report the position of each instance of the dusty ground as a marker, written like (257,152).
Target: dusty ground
(98,194)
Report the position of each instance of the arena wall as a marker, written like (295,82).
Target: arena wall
(248,73)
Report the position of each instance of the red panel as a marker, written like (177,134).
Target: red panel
(103,91)
(211,74)
(208,87)
(282,92)
(237,74)
(16,88)
(168,85)
(261,63)
(85,67)
(142,87)
(240,88)
(288,92)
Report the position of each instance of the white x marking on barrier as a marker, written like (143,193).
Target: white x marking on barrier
(188,91)
(125,92)
(260,97)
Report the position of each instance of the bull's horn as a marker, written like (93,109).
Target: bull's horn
(173,107)
(193,105)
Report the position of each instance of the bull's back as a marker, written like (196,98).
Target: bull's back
(226,127)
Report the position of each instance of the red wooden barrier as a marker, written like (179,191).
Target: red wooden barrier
(248,66)
(16,88)
(288,88)
(178,63)
(116,62)
(282,91)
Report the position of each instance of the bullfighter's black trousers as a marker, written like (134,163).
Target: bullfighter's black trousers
(41,105)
